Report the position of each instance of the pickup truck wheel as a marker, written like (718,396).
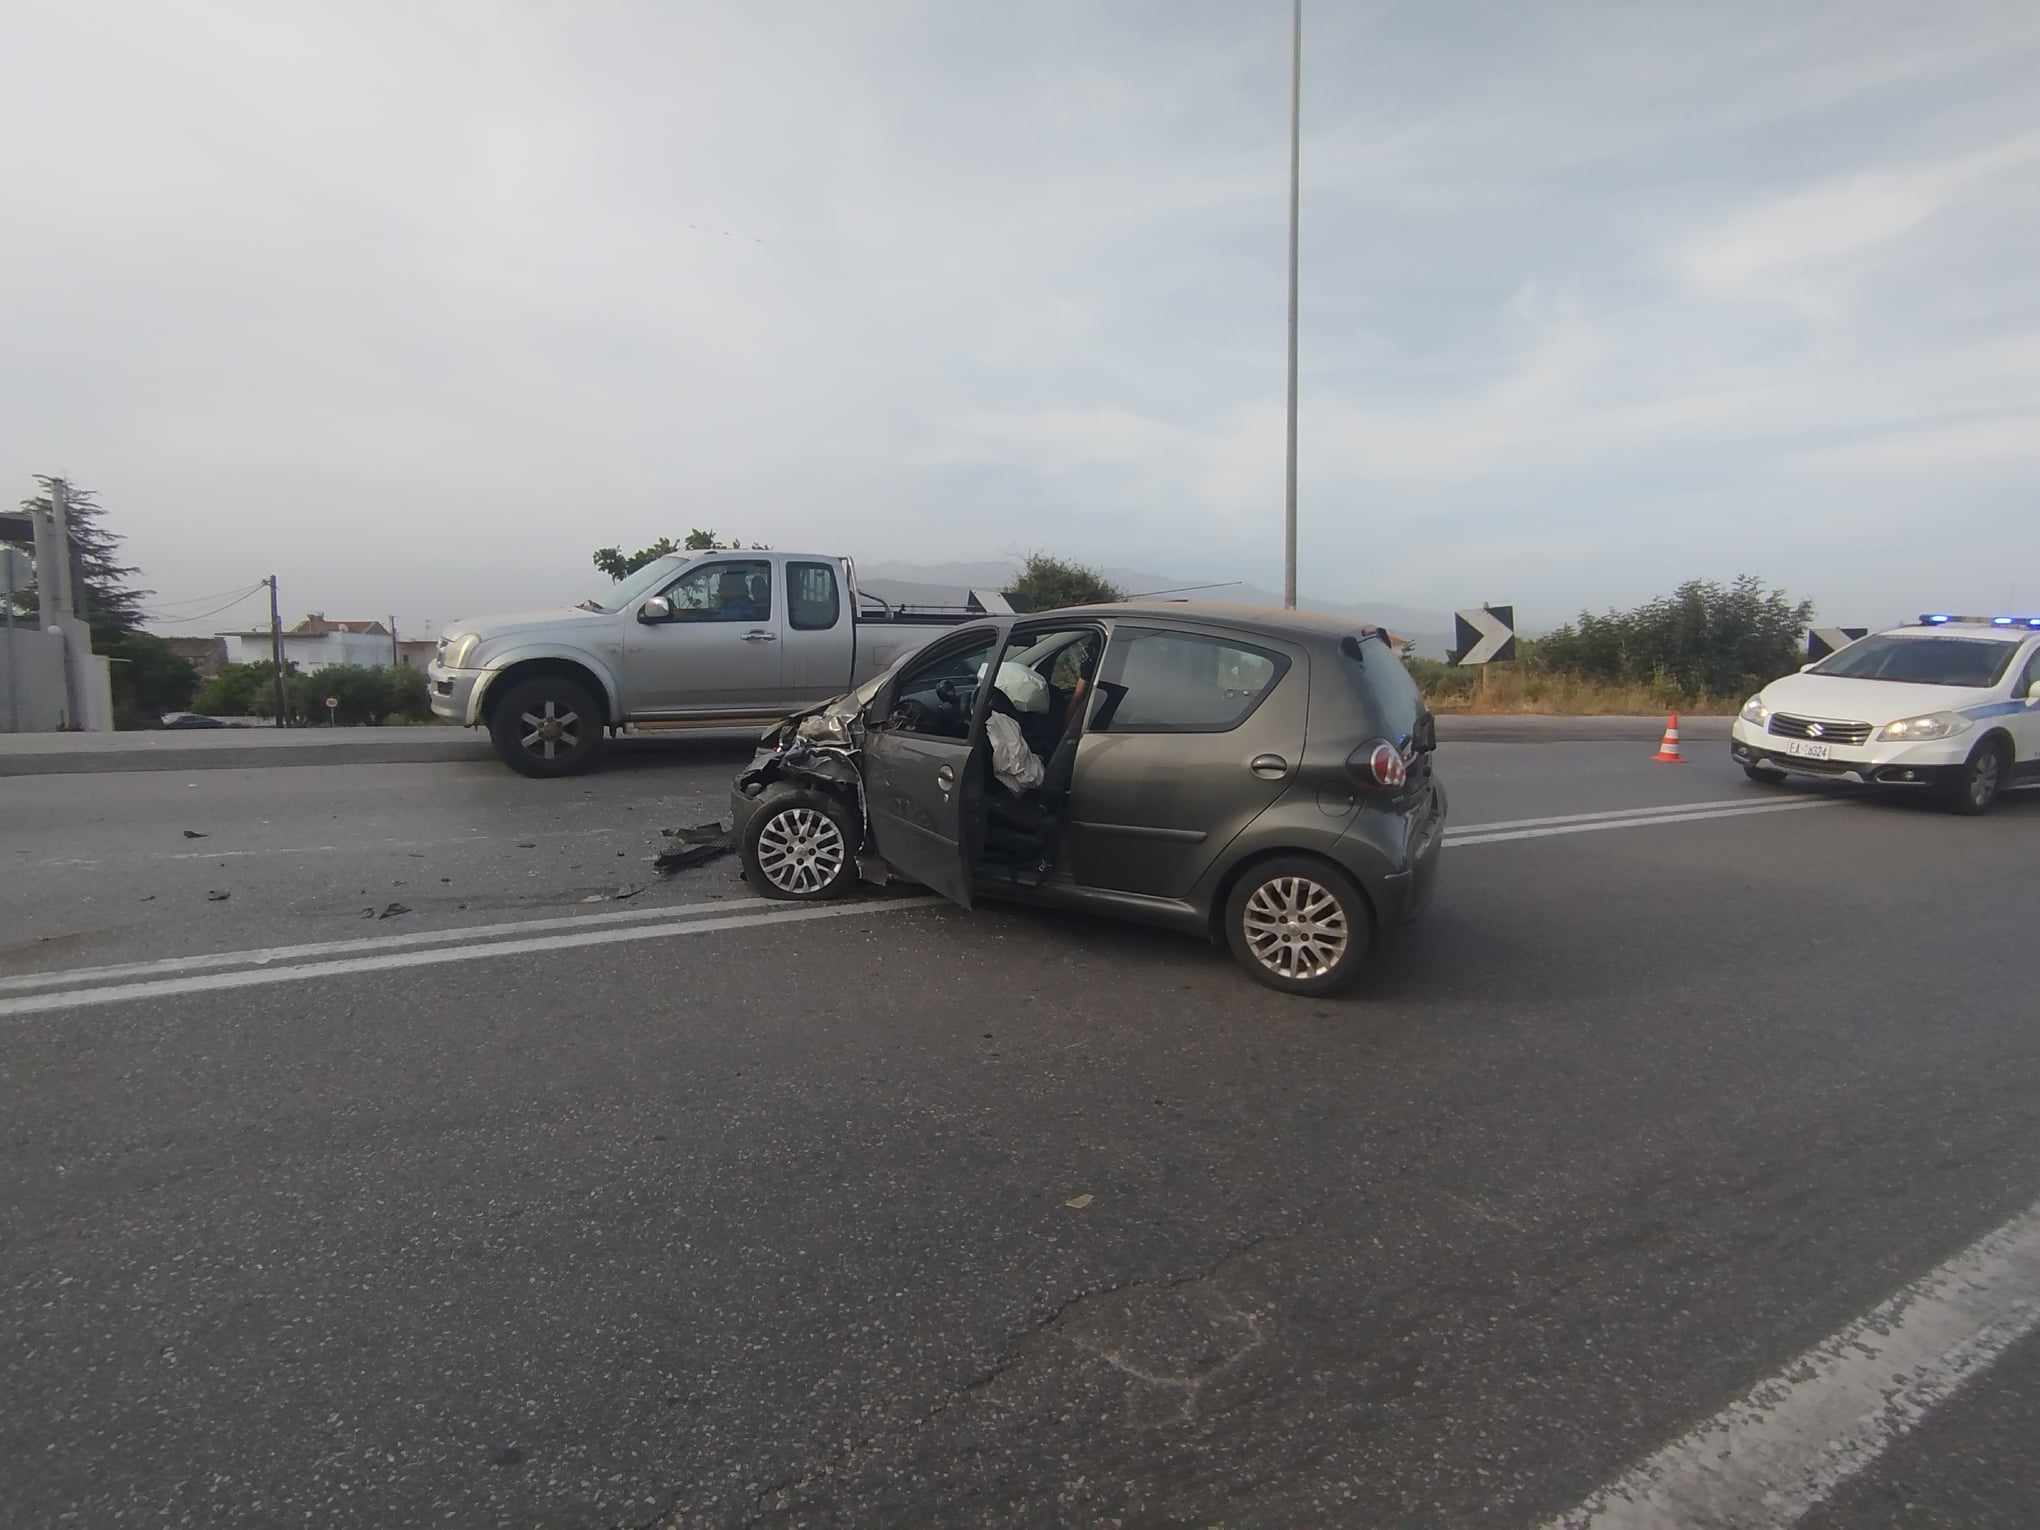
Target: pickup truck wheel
(549,725)
(800,845)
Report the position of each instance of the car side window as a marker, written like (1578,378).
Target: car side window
(736,590)
(1181,682)
(937,696)
(812,604)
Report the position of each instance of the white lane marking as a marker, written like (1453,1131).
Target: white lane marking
(1639,823)
(165,965)
(362,846)
(1796,1436)
(163,988)
(1721,805)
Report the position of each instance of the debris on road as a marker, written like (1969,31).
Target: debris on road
(527,844)
(627,892)
(1079,1202)
(392,910)
(193,834)
(217,896)
(697,847)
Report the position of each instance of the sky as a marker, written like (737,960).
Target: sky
(414,305)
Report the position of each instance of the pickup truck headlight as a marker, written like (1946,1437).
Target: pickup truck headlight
(1755,712)
(1934,725)
(454,651)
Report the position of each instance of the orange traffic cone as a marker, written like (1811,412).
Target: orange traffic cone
(1668,751)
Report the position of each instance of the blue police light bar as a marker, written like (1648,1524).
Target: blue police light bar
(1942,619)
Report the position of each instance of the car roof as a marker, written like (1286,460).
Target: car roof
(1270,621)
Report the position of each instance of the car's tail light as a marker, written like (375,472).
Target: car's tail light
(1378,764)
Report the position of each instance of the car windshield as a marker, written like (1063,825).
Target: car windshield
(1968,662)
(627,589)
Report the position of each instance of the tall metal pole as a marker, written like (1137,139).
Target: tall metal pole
(396,654)
(1295,163)
(276,649)
(8,558)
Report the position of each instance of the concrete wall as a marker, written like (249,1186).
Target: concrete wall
(38,671)
(39,694)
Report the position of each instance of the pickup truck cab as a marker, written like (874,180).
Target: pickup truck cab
(711,639)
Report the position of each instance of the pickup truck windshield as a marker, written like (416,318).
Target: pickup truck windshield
(1971,662)
(622,593)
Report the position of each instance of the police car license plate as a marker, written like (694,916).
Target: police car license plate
(1801,749)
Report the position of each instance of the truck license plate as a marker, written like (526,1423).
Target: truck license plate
(1801,749)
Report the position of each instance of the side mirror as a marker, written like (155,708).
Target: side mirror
(657,609)
(2033,693)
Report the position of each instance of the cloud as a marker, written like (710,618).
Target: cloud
(417,305)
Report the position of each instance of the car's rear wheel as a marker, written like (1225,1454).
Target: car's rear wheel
(800,845)
(548,725)
(1299,925)
(1982,779)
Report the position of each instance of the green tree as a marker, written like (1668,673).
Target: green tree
(1048,584)
(240,690)
(104,598)
(618,564)
(148,679)
(1704,638)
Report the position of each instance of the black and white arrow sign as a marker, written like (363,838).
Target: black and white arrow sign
(1822,641)
(1486,636)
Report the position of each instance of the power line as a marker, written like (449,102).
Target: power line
(199,616)
(199,600)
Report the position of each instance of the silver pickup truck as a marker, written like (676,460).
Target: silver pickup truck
(710,639)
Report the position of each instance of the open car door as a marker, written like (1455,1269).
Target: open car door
(924,783)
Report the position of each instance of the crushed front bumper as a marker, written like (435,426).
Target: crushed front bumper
(1938,762)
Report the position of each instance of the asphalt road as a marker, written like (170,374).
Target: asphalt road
(906,1216)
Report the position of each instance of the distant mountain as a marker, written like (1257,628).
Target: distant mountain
(944,584)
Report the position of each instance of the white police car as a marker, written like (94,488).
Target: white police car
(1948,704)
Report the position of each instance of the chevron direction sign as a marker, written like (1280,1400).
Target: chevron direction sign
(1822,641)
(1486,636)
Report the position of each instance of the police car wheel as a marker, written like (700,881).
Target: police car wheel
(1982,779)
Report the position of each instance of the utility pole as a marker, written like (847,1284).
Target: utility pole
(8,559)
(1295,164)
(396,654)
(276,648)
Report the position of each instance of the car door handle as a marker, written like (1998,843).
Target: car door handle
(760,637)
(945,777)
(1269,767)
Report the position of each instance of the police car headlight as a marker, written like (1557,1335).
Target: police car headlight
(1934,725)
(1754,711)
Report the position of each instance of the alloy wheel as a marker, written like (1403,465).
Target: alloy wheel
(1296,928)
(801,850)
(554,731)
(1983,778)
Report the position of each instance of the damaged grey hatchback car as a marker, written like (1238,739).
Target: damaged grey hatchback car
(1262,777)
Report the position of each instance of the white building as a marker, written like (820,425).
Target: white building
(315,644)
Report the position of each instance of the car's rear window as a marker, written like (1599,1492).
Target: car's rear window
(1969,662)
(1388,695)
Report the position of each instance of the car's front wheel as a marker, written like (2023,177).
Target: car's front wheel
(1982,779)
(1764,777)
(800,845)
(548,725)
(1299,925)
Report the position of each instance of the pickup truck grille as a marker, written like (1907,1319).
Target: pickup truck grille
(1826,732)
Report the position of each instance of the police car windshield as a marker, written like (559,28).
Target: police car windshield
(1970,662)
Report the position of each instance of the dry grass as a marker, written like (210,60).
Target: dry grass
(1510,690)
